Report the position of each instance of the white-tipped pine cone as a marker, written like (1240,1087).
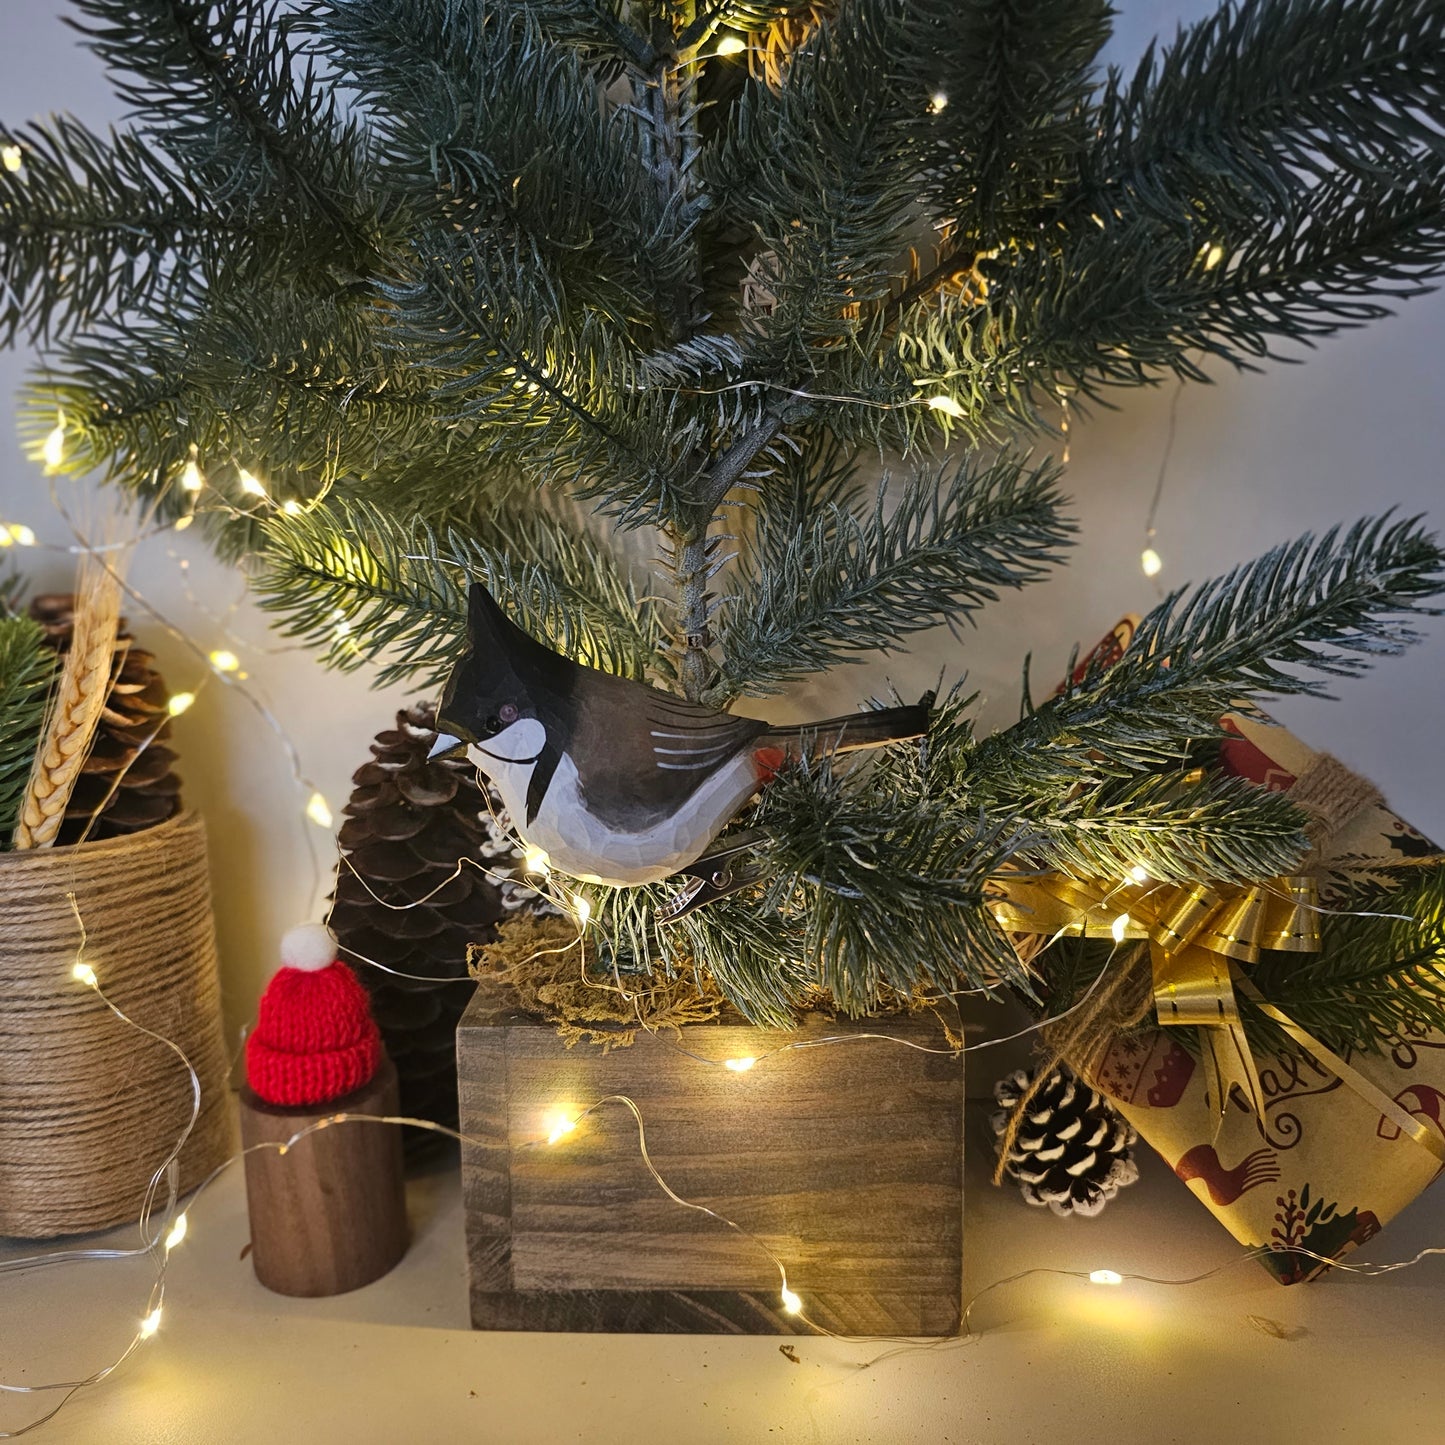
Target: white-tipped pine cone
(1073,1150)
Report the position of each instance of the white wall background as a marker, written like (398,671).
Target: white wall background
(1256,459)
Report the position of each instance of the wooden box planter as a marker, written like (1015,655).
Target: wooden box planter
(846,1160)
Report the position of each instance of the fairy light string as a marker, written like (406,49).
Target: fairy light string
(1150,562)
(221,664)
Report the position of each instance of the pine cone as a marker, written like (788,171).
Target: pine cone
(403,902)
(126,784)
(1072,1151)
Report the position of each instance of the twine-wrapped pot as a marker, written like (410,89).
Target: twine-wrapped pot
(89,1106)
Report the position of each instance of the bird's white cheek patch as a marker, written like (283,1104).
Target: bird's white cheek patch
(520,742)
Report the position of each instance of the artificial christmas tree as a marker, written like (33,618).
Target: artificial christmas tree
(389,294)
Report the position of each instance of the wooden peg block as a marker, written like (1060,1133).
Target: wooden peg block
(328,1215)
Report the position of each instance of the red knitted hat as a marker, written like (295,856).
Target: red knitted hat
(314,1039)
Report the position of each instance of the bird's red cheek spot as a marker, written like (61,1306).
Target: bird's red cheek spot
(767,762)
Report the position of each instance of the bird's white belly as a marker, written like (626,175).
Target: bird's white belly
(579,843)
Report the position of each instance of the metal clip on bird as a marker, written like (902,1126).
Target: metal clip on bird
(616,781)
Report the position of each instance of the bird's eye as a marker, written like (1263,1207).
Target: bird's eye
(492,726)
(508,712)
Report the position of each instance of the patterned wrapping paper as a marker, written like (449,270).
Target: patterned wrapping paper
(1323,1169)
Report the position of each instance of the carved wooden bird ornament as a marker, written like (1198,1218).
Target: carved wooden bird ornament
(618,782)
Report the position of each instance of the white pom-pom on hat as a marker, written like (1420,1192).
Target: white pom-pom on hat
(311,947)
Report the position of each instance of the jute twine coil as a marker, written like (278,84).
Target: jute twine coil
(89,1107)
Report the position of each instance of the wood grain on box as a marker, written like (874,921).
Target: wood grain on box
(846,1160)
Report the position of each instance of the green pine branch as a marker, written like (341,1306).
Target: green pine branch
(1303,613)
(1159,297)
(1177,826)
(853,861)
(1253,105)
(122,227)
(27,667)
(507,147)
(845,584)
(1379,978)
(365,589)
(542,402)
(221,86)
(1010,82)
(285,376)
(822,181)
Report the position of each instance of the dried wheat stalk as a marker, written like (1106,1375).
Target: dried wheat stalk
(80,697)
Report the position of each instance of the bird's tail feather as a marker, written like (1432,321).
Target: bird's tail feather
(869,729)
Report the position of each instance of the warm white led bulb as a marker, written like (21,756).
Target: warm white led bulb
(180,702)
(318,811)
(558,1125)
(731,45)
(250,484)
(53,452)
(536,861)
(84,973)
(583,910)
(1105,1276)
(192,478)
(292,507)
(151,1323)
(1138,874)
(791,1302)
(937,101)
(1119,926)
(1212,255)
(947,405)
(11,157)
(20,534)
(177,1232)
(1151,562)
(224,661)
(740,1066)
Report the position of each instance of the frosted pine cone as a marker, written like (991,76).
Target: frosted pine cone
(1073,1149)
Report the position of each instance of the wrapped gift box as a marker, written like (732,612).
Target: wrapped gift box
(1323,1170)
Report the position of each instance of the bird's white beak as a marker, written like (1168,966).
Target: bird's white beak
(446,746)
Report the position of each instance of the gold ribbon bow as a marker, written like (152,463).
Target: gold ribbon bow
(1200,939)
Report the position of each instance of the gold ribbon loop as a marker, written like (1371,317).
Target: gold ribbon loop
(1179,914)
(1237,926)
(1293,925)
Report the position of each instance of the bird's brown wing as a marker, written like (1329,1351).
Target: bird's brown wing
(640,758)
